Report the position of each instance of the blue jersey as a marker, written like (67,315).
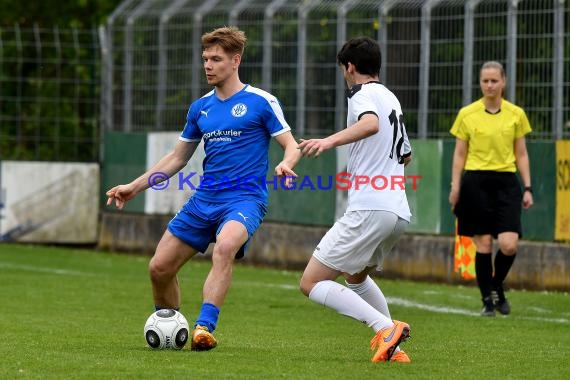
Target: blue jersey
(236,133)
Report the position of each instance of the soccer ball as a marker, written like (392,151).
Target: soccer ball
(166,328)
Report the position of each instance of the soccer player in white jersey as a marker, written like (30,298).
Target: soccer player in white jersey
(236,122)
(378,150)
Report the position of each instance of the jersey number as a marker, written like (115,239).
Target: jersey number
(397,123)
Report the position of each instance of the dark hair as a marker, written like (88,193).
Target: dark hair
(229,38)
(363,53)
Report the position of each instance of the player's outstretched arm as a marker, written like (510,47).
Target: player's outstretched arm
(366,126)
(291,157)
(168,165)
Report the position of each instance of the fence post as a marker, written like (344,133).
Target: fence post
(266,75)
(512,49)
(383,38)
(19,91)
(197,45)
(340,102)
(424,67)
(37,105)
(236,10)
(468,36)
(128,69)
(107,74)
(57,121)
(162,69)
(303,12)
(558,70)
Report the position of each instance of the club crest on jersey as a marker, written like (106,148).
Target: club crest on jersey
(239,110)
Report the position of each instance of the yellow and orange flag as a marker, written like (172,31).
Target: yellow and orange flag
(464,256)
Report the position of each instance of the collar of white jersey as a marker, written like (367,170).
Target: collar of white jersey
(354,89)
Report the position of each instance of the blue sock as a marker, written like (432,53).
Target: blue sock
(208,316)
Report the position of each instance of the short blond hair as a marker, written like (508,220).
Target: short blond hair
(229,38)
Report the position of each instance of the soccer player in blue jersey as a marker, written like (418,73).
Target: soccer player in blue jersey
(236,122)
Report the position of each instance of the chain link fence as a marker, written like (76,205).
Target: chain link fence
(432,51)
(142,69)
(49,94)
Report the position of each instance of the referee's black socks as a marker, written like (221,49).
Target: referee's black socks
(503,264)
(484,273)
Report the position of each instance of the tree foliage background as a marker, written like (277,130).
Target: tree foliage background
(49,70)
(49,13)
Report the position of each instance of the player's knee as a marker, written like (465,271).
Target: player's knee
(159,272)
(224,250)
(305,286)
(484,244)
(508,248)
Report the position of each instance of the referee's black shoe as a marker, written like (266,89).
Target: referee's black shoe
(488,307)
(500,301)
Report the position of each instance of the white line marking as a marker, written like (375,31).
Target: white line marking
(391,300)
(416,305)
(451,310)
(268,285)
(432,308)
(58,271)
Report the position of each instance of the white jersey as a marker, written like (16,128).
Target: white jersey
(378,159)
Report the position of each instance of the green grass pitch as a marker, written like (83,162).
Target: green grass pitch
(79,314)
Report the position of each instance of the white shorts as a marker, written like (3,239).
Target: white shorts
(360,239)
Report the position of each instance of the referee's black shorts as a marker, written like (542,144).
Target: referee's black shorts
(489,203)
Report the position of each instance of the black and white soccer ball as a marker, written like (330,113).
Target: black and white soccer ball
(166,328)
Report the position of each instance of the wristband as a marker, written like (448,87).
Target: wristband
(528,188)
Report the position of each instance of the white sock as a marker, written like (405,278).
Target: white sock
(347,302)
(371,293)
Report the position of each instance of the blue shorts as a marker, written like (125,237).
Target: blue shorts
(199,222)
